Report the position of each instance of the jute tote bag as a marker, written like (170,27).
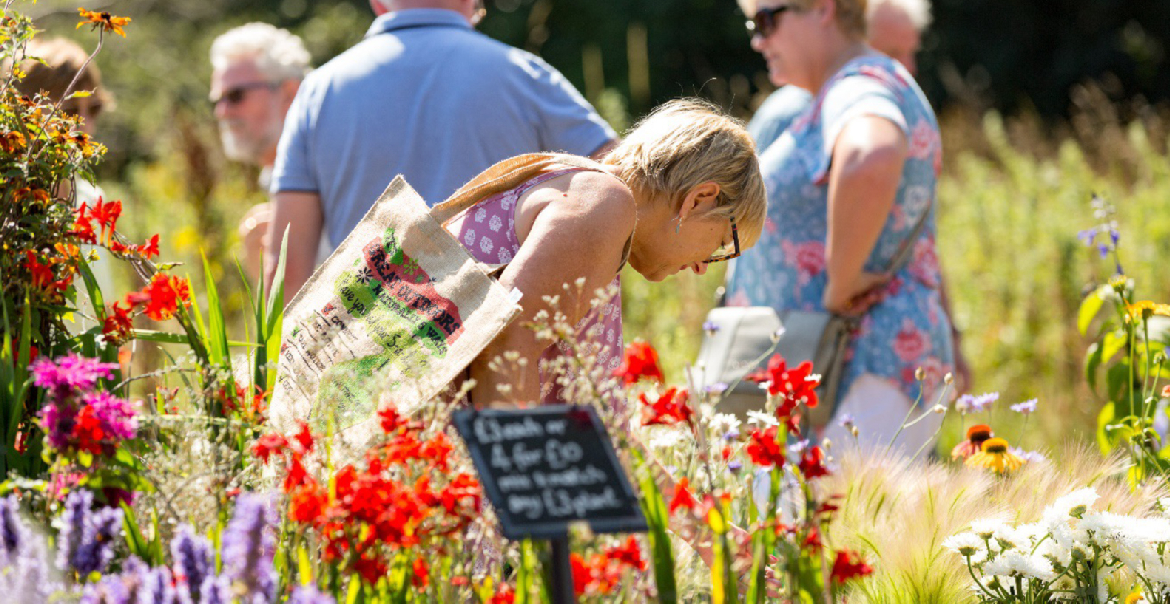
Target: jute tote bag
(396,313)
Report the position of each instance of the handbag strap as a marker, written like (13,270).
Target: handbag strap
(902,256)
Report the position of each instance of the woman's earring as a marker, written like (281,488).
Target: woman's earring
(677,225)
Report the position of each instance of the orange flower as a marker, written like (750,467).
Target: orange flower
(976,435)
(996,457)
(104,20)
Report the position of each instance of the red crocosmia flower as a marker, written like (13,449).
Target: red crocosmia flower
(41,274)
(118,323)
(437,450)
(420,573)
(370,568)
(849,565)
(812,463)
(582,574)
(150,248)
(505,595)
(106,214)
(796,385)
(628,553)
(87,431)
(392,421)
(83,230)
(812,541)
(307,504)
(725,453)
(639,361)
(296,474)
(670,408)
(304,437)
(268,445)
(462,493)
(163,295)
(763,449)
(683,498)
(1166,391)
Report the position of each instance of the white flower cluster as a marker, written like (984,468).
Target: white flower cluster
(1068,555)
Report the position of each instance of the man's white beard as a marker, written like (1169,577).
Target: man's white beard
(248,149)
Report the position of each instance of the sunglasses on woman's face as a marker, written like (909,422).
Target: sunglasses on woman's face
(766,19)
(728,251)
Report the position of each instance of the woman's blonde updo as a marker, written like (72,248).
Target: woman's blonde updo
(687,142)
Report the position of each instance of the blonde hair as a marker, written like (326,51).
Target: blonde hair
(685,143)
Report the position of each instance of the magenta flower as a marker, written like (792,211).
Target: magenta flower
(70,373)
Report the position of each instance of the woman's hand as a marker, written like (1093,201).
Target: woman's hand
(865,291)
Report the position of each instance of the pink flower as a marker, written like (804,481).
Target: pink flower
(808,258)
(922,140)
(924,265)
(911,343)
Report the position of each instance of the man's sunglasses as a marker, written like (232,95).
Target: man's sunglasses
(766,20)
(727,252)
(236,94)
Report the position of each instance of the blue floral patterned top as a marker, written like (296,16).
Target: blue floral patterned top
(908,328)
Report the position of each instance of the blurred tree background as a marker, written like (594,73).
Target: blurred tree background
(1042,103)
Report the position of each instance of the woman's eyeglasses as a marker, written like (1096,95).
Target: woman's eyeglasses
(236,94)
(729,251)
(766,19)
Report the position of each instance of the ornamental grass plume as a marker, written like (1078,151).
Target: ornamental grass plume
(897,513)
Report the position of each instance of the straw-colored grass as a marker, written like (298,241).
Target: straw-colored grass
(899,512)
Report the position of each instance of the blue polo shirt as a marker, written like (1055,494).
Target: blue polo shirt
(426,96)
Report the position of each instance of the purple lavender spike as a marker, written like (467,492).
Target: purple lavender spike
(309,595)
(12,530)
(194,562)
(97,548)
(248,546)
(73,525)
(216,590)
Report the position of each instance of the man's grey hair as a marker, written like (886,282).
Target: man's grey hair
(278,54)
(917,10)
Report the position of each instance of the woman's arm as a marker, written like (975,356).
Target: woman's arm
(573,227)
(867,166)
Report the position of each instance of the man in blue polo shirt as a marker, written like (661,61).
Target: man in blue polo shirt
(423,95)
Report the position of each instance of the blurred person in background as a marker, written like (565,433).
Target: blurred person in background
(256,71)
(61,60)
(423,95)
(894,27)
(847,183)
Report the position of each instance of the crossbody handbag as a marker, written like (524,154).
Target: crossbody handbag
(739,340)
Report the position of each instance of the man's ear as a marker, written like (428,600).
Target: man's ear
(702,198)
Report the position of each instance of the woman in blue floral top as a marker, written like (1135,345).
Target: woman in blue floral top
(847,182)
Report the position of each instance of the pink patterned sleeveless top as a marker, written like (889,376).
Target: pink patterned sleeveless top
(488,231)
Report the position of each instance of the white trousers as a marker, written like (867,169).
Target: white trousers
(878,410)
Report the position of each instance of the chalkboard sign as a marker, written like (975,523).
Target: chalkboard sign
(545,467)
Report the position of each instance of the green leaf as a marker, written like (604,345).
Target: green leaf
(654,508)
(1090,307)
(276,295)
(216,326)
(1092,365)
(1112,343)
